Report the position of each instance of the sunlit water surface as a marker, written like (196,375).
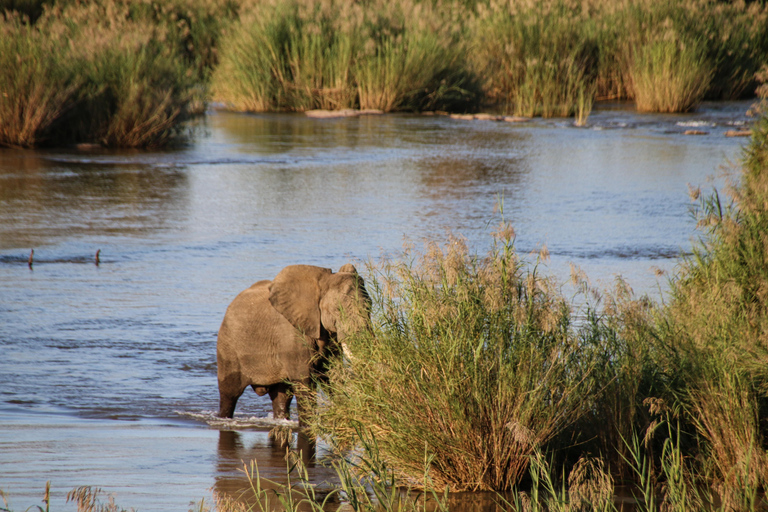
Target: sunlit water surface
(108,372)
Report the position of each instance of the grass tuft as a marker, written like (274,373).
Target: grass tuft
(94,73)
(670,76)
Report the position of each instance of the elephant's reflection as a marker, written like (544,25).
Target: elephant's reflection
(243,451)
(237,450)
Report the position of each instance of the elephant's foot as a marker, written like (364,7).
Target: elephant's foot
(306,444)
(281,395)
(227,405)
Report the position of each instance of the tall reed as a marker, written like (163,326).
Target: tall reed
(287,56)
(91,73)
(414,58)
(37,90)
(718,320)
(538,58)
(669,75)
(473,363)
(302,55)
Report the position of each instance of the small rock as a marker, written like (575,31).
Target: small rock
(487,117)
(738,133)
(515,119)
(87,146)
(347,112)
(695,132)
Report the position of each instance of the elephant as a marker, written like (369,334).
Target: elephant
(279,333)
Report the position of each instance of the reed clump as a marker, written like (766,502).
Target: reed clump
(36,90)
(718,323)
(539,58)
(473,363)
(302,55)
(95,72)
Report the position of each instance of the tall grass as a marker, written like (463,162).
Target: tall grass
(548,58)
(669,75)
(91,73)
(281,58)
(414,70)
(302,55)
(718,319)
(36,91)
(474,363)
(538,58)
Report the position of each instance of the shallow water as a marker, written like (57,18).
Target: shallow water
(107,373)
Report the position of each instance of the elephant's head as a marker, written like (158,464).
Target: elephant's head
(322,304)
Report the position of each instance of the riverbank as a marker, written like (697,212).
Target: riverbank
(141,70)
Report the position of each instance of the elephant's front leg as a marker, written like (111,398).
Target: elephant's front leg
(281,395)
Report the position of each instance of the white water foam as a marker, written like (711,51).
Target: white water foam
(696,124)
(240,421)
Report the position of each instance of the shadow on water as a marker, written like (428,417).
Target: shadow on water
(271,134)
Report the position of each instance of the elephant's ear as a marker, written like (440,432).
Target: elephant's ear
(295,294)
(348,267)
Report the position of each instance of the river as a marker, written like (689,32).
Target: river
(108,371)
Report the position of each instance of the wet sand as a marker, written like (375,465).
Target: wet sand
(147,465)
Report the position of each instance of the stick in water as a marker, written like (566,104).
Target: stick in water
(97,256)
(31,258)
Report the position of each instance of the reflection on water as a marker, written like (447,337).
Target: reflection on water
(243,455)
(181,232)
(49,199)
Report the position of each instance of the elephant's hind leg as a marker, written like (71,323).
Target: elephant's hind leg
(227,403)
(281,395)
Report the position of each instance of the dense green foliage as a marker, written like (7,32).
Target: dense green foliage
(116,73)
(551,58)
(131,72)
(308,55)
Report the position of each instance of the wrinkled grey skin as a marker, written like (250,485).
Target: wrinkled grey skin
(281,332)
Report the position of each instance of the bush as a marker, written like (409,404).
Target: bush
(538,59)
(303,55)
(474,363)
(91,73)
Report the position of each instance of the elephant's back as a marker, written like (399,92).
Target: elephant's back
(248,314)
(259,343)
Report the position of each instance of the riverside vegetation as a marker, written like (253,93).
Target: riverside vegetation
(483,376)
(479,374)
(131,72)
